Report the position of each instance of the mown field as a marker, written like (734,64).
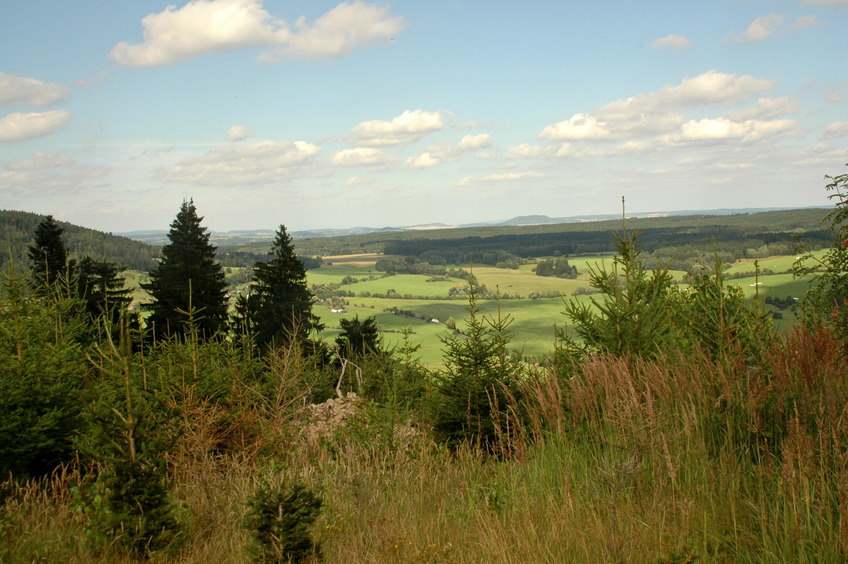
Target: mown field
(533,320)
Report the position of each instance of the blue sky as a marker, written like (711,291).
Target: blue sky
(329,115)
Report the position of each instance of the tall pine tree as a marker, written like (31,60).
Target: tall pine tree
(48,255)
(279,305)
(188,283)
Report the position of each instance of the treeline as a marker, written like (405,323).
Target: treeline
(679,248)
(545,240)
(16,229)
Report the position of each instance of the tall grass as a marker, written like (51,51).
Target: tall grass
(622,460)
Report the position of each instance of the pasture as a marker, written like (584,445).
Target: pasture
(533,321)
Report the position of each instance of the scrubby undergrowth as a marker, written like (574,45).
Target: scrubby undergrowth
(628,461)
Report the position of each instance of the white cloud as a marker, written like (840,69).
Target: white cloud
(424,160)
(209,26)
(338,32)
(264,162)
(239,133)
(720,129)
(657,112)
(18,126)
(44,173)
(408,127)
(439,153)
(577,127)
(674,42)
(763,28)
(201,26)
(472,142)
(525,151)
(712,87)
(361,156)
(40,161)
(16,89)
(766,108)
(766,27)
(501,177)
(836,129)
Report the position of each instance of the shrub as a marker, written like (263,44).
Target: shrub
(44,371)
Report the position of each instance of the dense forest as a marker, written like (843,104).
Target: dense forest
(17,228)
(675,241)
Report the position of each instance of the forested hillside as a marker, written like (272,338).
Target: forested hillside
(675,241)
(17,228)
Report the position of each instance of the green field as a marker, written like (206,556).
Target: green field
(533,320)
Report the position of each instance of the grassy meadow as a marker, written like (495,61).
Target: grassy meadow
(680,459)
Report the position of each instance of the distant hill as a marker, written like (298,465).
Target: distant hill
(749,234)
(17,229)
(244,237)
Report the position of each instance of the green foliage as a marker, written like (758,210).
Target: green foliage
(280,520)
(129,431)
(358,338)
(17,228)
(102,289)
(395,379)
(719,319)
(44,371)
(473,391)
(558,267)
(48,256)
(279,305)
(188,280)
(633,315)
(826,301)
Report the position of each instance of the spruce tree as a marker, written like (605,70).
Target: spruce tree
(47,254)
(102,289)
(359,338)
(470,396)
(188,284)
(279,305)
(635,314)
